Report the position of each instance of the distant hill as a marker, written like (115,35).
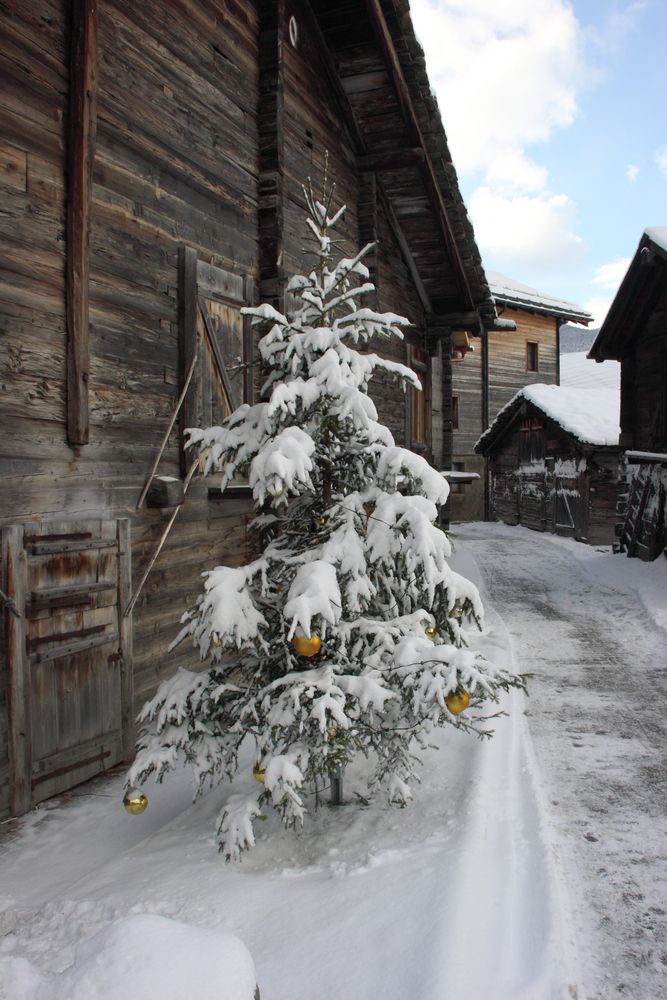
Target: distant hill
(575,339)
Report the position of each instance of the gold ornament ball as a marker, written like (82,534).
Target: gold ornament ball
(307,645)
(216,640)
(259,773)
(457,701)
(135,802)
(456,612)
(430,632)
(278,490)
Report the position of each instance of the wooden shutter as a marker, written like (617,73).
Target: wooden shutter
(210,323)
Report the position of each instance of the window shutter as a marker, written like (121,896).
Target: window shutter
(212,327)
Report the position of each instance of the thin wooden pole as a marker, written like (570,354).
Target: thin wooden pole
(80,157)
(163,538)
(179,404)
(19,735)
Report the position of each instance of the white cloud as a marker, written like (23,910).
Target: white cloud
(536,231)
(632,172)
(598,307)
(610,275)
(660,157)
(506,74)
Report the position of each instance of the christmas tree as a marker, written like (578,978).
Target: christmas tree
(345,637)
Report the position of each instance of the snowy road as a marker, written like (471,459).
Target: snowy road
(597,717)
(525,869)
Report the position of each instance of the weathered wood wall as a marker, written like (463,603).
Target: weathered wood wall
(507,356)
(175,162)
(193,127)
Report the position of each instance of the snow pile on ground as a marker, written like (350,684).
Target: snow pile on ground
(457,896)
(511,877)
(577,371)
(144,955)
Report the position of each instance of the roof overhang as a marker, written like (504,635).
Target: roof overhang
(643,286)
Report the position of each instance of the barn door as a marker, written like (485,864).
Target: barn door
(68,653)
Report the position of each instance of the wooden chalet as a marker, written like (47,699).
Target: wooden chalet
(152,163)
(553,462)
(635,333)
(491,365)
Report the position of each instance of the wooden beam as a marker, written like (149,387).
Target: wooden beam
(392,160)
(272,20)
(410,263)
(383,34)
(80,155)
(18,672)
(187,343)
(125,651)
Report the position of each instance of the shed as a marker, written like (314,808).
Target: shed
(553,458)
(521,348)
(151,170)
(635,333)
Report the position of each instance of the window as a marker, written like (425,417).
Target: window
(532,356)
(420,402)
(531,441)
(455,413)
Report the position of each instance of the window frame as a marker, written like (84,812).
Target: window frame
(534,344)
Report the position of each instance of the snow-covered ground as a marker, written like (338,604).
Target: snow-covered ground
(529,867)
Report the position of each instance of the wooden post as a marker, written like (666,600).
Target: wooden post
(125,636)
(188,342)
(271,152)
(18,673)
(80,156)
(336,797)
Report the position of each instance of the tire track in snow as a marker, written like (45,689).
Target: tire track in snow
(598,724)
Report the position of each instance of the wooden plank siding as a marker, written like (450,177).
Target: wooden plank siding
(508,372)
(207,122)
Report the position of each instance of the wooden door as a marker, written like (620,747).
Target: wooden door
(68,654)
(567,506)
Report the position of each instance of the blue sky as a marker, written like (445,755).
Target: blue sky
(556,115)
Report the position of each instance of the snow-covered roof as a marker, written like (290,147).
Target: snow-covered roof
(579,372)
(637,298)
(658,234)
(589,415)
(514,293)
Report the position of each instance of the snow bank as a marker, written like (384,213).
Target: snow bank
(145,955)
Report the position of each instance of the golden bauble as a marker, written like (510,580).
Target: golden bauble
(430,632)
(259,773)
(456,612)
(307,645)
(457,701)
(278,490)
(216,640)
(135,802)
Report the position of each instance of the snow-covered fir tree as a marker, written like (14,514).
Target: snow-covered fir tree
(345,637)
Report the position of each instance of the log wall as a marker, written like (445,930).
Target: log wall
(177,161)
